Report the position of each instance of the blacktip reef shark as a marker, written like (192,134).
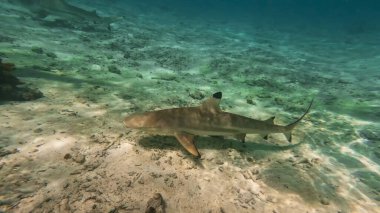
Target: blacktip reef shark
(205,120)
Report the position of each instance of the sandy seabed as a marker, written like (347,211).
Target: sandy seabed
(69,151)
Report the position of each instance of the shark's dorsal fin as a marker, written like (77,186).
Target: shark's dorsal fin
(187,141)
(270,120)
(212,103)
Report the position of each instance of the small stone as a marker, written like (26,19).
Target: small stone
(38,50)
(377,154)
(271,199)
(92,166)
(141,181)
(368,134)
(67,156)
(95,67)
(155,204)
(304,160)
(7,201)
(114,69)
(246,175)
(250,101)
(255,171)
(291,160)
(249,159)
(155,175)
(4,38)
(244,206)
(113,26)
(139,75)
(127,55)
(219,162)
(325,201)
(66,185)
(279,101)
(75,172)
(173,175)
(155,157)
(4,152)
(51,55)
(79,158)
(258,177)
(315,161)
(38,130)
(85,38)
(197,95)
(263,95)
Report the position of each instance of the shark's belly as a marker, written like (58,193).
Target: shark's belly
(211,132)
(193,131)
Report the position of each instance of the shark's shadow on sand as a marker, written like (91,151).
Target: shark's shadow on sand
(250,151)
(216,143)
(312,185)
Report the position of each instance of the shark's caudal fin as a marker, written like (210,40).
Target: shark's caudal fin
(291,126)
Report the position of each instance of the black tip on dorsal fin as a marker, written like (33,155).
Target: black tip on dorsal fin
(217,95)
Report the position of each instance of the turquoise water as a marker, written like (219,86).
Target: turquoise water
(86,65)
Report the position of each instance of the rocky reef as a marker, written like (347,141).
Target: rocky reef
(11,88)
(60,14)
(57,7)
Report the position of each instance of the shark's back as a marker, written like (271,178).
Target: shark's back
(196,120)
(181,119)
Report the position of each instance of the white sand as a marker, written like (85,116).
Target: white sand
(74,155)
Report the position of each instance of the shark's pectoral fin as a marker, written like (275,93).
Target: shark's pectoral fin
(187,141)
(288,136)
(240,137)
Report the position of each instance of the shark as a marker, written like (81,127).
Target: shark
(207,119)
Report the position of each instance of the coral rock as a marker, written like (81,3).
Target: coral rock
(155,204)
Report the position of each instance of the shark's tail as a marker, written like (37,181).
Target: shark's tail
(291,126)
